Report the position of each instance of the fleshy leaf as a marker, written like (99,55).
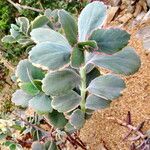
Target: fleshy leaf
(24,41)
(125,62)
(48,12)
(88,113)
(92,75)
(14,33)
(48,35)
(60,82)
(94,102)
(52,55)
(56,119)
(39,21)
(69,26)
(14,27)
(8,39)
(69,128)
(77,57)
(91,17)
(90,45)
(110,41)
(24,24)
(107,86)
(29,88)
(77,119)
(20,98)
(41,103)
(26,72)
(67,102)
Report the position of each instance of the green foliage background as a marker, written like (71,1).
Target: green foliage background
(8,14)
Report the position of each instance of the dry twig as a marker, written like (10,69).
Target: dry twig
(20,7)
(140,140)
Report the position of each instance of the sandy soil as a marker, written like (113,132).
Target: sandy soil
(135,99)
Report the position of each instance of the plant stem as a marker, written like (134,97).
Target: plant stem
(83,87)
(19,7)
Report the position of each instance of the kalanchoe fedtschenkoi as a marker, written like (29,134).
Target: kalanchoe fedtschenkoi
(61,78)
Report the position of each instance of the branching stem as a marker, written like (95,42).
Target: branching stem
(19,7)
(130,127)
(83,87)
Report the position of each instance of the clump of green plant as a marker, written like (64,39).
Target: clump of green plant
(62,79)
(5,15)
(69,5)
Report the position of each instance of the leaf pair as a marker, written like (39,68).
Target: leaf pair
(103,89)
(30,93)
(41,103)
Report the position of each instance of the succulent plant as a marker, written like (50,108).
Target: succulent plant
(62,77)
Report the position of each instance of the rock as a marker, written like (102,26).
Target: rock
(111,14)
(115,3)
(143,4)
(148,3)
(146,17)
(125,18)
(144,34)
(122,7)
(138,19)
(146,43)
(140,16)
(138,9)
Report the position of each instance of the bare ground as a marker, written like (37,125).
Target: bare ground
(135,99)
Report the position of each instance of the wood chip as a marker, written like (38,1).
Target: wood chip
(111,14)
(146,17)
(138,9)
(125,18)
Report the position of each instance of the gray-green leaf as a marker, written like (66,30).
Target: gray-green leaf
(77,119)
(69,128)
(14,33)
(24,24)
(125,62)
(92,75)
(49,55)
(56,119)
(67,102)
(48,35)
(107,86)
(48,12)
(91,17)
(77,57)
(29,88)
(69,26)
(8,39)
(41,103)
(26,72)
(60,82)
(110,41)
(39,21)
(94,102)
(20,98)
